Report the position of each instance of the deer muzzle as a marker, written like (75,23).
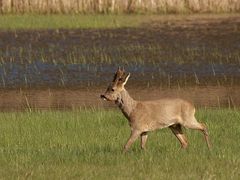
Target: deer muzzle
(103,97)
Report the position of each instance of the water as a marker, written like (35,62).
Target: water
(44,74)
(178,58)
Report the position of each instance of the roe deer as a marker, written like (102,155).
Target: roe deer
(145,116)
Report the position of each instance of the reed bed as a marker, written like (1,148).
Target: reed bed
(119,6)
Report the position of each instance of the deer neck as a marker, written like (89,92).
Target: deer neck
(126,103)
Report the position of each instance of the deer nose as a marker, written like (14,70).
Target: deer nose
(102,96)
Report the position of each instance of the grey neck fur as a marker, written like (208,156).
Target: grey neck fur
(126,103)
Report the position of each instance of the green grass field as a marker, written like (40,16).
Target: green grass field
(87,144)
(58,21)
(31,21)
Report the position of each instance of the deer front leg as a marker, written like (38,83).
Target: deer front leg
(143,140)
(134,135)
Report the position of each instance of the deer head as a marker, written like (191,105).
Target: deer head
(113,92)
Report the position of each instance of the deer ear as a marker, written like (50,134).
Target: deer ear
(126,79)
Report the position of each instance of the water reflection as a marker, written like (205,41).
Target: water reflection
(41,73)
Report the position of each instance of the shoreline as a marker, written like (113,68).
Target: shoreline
(63,99)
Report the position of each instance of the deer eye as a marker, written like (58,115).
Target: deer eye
(112,90)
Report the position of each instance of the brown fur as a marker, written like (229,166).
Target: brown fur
(145,116)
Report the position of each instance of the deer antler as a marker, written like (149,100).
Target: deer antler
(119,73)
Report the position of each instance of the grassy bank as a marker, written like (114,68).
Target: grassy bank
(33,21)
(87,144)
(36,21)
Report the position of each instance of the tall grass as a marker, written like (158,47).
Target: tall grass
(119,6)
(87,144)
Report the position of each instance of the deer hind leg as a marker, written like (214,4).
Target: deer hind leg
(199,126)
(134,135)
(177,131)
(144,136)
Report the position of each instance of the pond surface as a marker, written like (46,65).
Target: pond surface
(172,55)
(44,74)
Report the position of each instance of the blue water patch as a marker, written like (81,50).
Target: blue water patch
(41,73)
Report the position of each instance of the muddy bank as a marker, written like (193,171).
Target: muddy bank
(79,98)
